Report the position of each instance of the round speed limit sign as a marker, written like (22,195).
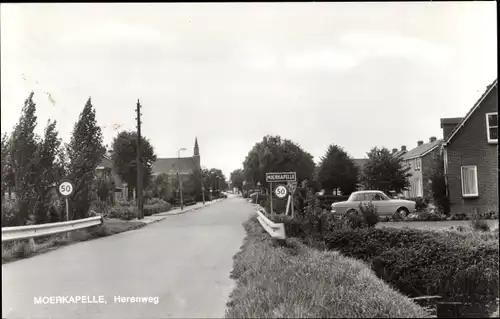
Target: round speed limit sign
(281,191)
(66,188)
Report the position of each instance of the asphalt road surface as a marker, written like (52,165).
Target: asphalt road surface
(184,261)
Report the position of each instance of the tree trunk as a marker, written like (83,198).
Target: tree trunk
(130,194)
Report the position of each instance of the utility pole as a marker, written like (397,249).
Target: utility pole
(139,193)
(202,186)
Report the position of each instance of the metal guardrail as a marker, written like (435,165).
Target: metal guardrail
(274,229)
(26,232)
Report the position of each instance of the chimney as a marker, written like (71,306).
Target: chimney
(403,148)
(448,124)
(432,139)
(394,150)
(420,143)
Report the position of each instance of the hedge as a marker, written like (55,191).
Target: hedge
(128,210)
(295,281)
(420,262)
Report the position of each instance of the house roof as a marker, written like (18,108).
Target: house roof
(489,89)
(421,150)
(184,165)
(399,153)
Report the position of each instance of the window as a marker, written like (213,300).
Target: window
(492,127)
(359,197)
(418,164)
(469,181)
(418,187)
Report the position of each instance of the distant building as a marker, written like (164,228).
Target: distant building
(175,166)
(399,153)
(420,161)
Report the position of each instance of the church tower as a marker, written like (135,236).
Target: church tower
(196,154)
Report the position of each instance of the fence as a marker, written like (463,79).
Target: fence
(26,232)
(275,230)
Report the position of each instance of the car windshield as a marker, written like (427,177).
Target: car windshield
(383,196)
(357,197)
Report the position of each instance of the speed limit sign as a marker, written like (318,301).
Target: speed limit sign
(281,191)
(66,188)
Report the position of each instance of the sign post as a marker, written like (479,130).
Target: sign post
(276,177)
(271,195)
(66,189)
(292,186)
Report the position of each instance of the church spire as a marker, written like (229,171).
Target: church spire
(196,148)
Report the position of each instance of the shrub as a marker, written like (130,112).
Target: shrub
(429,215)
(294,281)
(421,262)
(9,214)
(155,206)
(123,210)
(421,203)
(459,216)
(370,214)
(489,215)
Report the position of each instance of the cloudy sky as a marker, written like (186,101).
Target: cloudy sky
(353,74)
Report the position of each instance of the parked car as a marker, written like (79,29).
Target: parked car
(384,204)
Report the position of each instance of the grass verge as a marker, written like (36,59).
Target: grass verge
(16,250)
(292,280)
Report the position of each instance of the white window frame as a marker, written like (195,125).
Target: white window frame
(491,141)
(462,180)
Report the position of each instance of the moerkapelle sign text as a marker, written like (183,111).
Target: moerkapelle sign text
(281,177)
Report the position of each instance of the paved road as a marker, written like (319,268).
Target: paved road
(184,260)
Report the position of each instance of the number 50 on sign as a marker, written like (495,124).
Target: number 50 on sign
(281,191)
(66,188)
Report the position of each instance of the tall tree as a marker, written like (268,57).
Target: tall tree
(23,161)
(50,171)
(337,170)
(8,178)
(237,177)
(274,154)
(217,179)
(85,152)
(438,188)
(385,172)
(124,159)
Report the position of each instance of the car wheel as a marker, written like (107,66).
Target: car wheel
(402,212)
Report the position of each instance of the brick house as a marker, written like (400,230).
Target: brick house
(420,161)
(470,152)
(178,166)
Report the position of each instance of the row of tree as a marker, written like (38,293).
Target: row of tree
(336,170)
(33,166)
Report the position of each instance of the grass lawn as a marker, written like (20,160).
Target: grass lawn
(295,281)
(16,250)
(434,224)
